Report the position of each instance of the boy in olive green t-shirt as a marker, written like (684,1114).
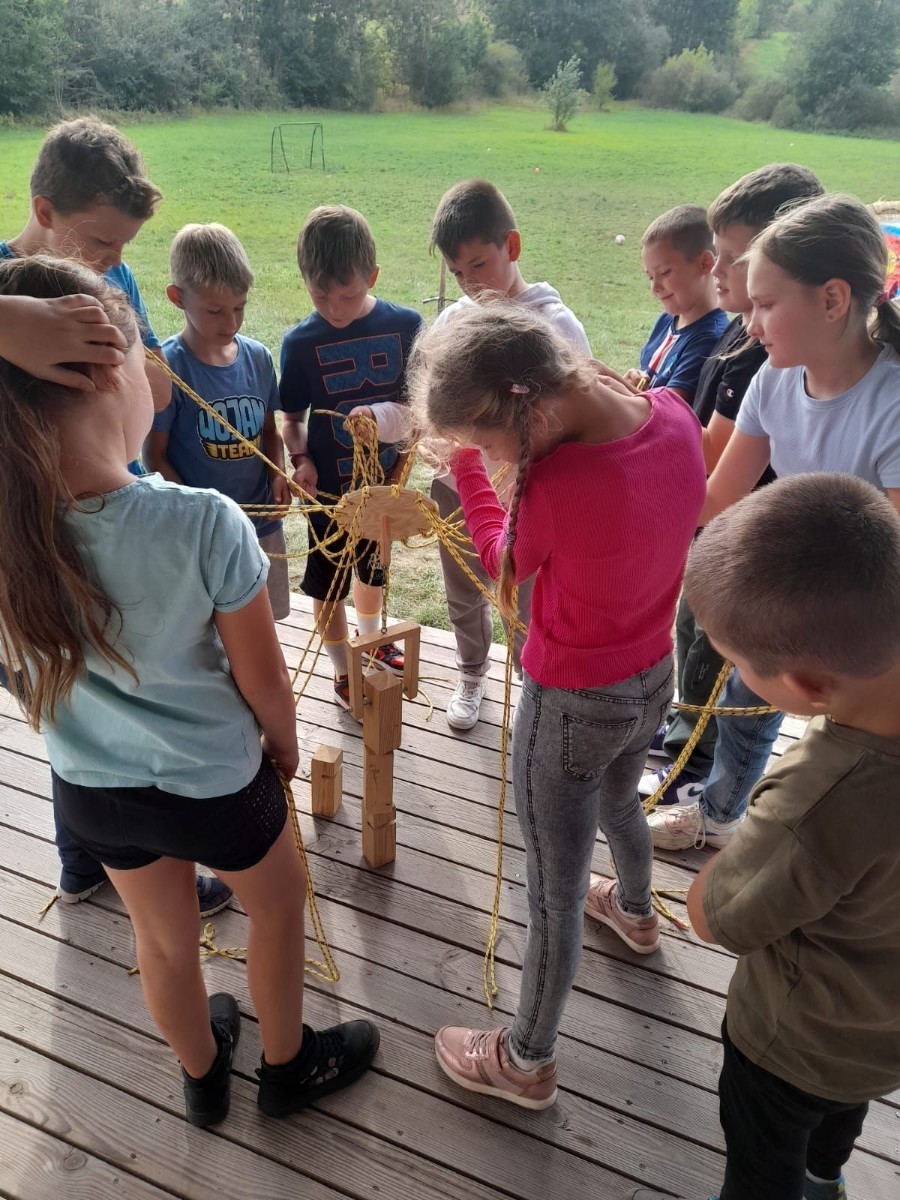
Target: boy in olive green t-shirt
(799,584)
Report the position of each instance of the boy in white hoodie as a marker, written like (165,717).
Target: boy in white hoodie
(475,231)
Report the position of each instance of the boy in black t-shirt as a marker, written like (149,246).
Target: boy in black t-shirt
(736,218)
(348,356)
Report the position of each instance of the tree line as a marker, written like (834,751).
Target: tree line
(171,55)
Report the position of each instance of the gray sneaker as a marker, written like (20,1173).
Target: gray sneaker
(464,705)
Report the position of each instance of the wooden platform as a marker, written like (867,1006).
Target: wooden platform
(90,1103)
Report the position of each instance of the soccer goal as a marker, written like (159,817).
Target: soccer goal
(293,145)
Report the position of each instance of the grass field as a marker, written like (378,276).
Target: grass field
(572,193)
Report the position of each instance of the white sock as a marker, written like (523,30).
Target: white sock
(368,622)
(337,652)
(525,1064)
(817,1179)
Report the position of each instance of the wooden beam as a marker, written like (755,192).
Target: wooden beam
(407,632)
(383,712)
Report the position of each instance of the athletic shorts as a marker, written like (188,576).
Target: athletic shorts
(319,578)
(277,583)
(127,828)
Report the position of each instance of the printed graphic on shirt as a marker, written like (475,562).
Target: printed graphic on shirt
(245,413)
(375,362)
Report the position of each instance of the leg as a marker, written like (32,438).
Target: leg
(367,599)
(274,547)
(273,894)
(742,751)
(81,872)
(162,902)
(832,1143)
(698,665)
(469,610)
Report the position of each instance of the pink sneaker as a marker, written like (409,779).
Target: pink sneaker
(477,1059)
(640,933)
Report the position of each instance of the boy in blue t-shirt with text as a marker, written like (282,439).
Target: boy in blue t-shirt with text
(211,277)
(348,356)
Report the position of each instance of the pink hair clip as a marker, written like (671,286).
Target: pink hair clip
(518,389)
(888,294)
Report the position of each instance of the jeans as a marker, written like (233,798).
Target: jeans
(774,1132)
(698,666)
(742,751)
(577,760)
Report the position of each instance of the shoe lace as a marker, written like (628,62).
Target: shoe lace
(468,689)
(689,818)
(480,1046)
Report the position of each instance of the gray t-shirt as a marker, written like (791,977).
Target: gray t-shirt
(169,557)
(856,433)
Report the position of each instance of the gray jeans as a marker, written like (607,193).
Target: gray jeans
(577,760)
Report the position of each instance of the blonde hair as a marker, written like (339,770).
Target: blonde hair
(836,237)
(335,244)
(488,365)
(49,602)
(209,256)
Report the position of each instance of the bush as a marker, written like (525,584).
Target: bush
(759,101)
(857,105)
(690,81)
(604,85)
(562,93)
(787,114)
(503,72)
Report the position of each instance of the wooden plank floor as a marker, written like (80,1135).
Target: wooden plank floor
(90,1103)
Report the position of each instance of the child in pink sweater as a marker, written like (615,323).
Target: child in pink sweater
(607,495)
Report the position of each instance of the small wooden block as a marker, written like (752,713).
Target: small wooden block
(327,781)
(383,714)
(407,632)
(379,843)
(378,786)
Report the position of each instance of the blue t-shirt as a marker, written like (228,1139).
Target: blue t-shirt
(681,361)
(122,278)
(169,557)
(339,369)
(202,451)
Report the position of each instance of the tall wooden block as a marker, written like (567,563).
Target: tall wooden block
(379,839)
(378,785)
(327,781)
(383,712)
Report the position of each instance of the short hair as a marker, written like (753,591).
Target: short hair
(209,256)
(85,162)
(685,228)
(803,574)
(469,210)
(334,245)
(756,197)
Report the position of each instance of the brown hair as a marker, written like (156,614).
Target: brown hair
(802,575)
(469,210)
(836,237)
(335,245)
(487,365)
(685,228)
(87,162)
(49,603)
(756,197)
(209,256)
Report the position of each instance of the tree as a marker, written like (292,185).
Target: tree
(562,93)
(604,85)
(846,43)
(692,23)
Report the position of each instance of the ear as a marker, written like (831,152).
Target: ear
(706,261)
(374,278)
(176,295)
(837,297)
(814,688)
(44,212)
(514,245)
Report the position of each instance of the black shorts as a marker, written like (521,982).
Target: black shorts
(318,579)
(132,827)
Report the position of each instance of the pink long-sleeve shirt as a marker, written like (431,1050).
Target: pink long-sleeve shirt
(606,528)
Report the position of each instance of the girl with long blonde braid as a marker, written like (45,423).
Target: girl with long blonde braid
(606,500)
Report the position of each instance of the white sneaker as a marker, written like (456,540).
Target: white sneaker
(683,788)
(681,826)
(464,705)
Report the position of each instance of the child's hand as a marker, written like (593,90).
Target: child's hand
(634,378)
(305,474)
(37,335)
(285,758)
(281,490)
(361,410)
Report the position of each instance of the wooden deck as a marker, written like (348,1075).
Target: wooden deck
(90,1103)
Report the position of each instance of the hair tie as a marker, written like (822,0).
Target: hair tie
(518,389)
(888,294)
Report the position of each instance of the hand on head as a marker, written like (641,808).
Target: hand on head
(39,335)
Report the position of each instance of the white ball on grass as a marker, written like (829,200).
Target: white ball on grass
(619,239)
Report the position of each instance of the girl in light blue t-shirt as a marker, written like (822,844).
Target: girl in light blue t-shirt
(134,615)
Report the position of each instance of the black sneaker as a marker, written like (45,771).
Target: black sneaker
(327,1062)
(206,1100)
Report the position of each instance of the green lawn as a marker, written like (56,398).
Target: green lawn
(572,193)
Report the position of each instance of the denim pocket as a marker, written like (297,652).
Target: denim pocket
(590,746)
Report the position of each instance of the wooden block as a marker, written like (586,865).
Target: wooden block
(327,781)
(379,842)
(411,641)
(383,712)
(378,785)
(407,632)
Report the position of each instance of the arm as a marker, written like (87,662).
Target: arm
(155,451)
(696,915)
(738,472)
(273,448)
(293,429)
(39,335)
(160,384)
(893,494)
(716,437)
(487,519)
(259,671)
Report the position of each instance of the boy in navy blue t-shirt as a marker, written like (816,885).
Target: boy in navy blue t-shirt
(211,277)
(349,355)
